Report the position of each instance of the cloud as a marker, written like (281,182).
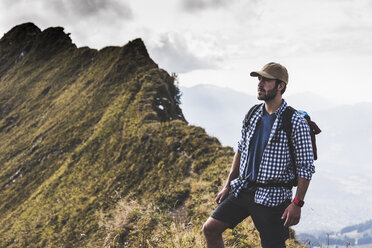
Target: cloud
(191,5)
(298,28)
(174,53)
(91,8)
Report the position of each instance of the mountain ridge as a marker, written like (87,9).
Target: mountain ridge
(51,91)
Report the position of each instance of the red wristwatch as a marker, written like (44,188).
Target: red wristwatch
(298,202)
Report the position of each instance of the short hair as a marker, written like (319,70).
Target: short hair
(277,82)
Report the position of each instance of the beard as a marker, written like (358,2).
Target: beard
(267,95)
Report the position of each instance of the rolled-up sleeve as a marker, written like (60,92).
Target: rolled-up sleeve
(303,148)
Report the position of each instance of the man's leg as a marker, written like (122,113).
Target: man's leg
(229,213)
(213,230)
(270,225)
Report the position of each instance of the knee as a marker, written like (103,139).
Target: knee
(205,228)
(210,229)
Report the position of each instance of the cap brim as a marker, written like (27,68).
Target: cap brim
(262,74)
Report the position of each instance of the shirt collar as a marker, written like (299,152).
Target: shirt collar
(278,112)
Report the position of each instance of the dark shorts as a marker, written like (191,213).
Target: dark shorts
(266,219)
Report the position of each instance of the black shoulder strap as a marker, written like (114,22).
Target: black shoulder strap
(287,127)
(287,119)
(248,116)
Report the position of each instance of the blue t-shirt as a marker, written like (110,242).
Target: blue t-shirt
(258,143)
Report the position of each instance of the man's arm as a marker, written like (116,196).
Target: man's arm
(305,164)
(234,173)
(292,214)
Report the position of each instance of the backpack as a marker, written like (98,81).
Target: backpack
(287,127)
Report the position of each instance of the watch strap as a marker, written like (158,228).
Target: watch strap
(298,202)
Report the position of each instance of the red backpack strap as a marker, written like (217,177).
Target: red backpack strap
(314,130)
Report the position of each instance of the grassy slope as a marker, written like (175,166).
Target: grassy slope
(89,160)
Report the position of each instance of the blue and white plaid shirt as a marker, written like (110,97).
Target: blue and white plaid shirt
(276,165)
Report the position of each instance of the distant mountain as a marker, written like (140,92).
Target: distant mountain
(355,236)
(219,110)
(95,150)
(309,102)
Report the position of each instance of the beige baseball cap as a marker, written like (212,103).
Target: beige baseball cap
(272,70)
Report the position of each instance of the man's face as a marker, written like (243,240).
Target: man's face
(267,89)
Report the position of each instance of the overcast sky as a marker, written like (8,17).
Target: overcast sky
(325,44)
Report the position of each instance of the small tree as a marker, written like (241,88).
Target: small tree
(177,93)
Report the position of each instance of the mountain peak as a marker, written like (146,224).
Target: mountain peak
(52,40)
(21,33)
(54,36)
(27,38)
(138,46)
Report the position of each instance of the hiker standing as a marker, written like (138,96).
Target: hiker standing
(263,172)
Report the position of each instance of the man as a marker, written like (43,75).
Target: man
(263,157)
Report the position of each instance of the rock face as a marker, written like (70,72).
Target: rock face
(95,149)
